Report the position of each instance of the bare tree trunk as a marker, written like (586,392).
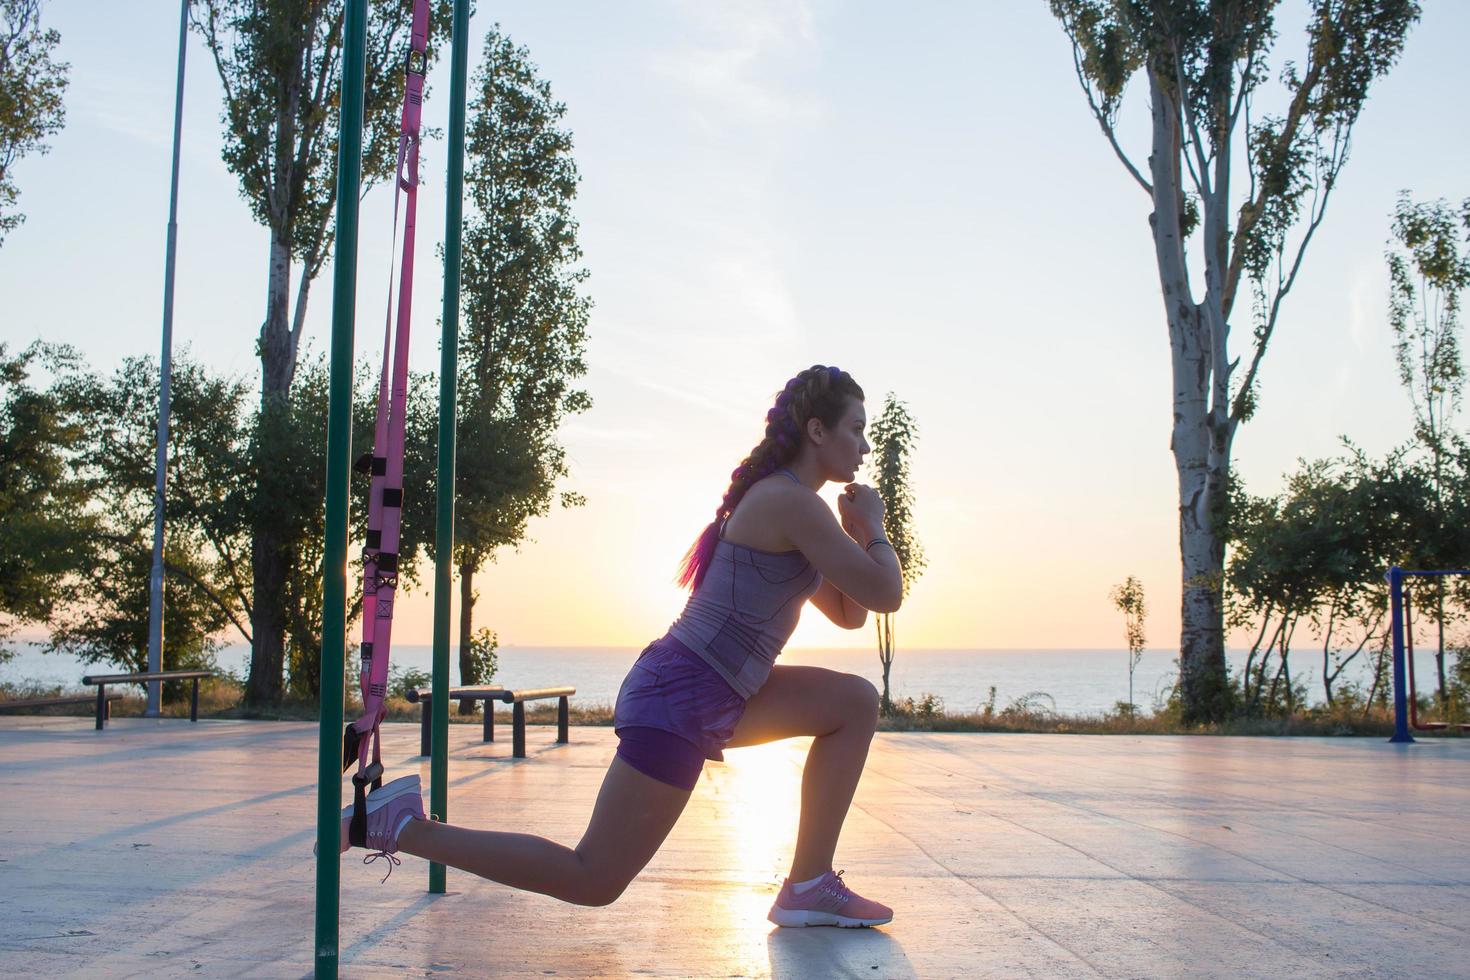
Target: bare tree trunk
(1439,650)
(884,622)
(467,674)
(268,559)
(1284,671)
(1245,675)
(1253,697)
(1202,468)
(1380,671)
(1328,676)
(888,660)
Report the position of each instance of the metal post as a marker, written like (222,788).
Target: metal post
(448,414)
(1400,693)
(339,450)
(165,382)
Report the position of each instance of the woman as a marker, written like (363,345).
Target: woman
(710,683)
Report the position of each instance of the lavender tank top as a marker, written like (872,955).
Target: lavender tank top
(745,610)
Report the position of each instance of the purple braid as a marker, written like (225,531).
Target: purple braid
(818,392)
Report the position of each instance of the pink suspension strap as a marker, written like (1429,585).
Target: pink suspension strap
(385,503)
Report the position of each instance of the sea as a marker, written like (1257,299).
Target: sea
(1066,681)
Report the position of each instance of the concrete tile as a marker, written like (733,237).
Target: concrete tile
(158,848)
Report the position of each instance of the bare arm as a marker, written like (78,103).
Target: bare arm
(871,578)
(838,607)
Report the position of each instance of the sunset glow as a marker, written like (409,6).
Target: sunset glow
(981,254)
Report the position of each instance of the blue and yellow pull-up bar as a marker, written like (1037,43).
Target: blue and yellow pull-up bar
(339,441)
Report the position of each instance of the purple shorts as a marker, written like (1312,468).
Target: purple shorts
(673,712)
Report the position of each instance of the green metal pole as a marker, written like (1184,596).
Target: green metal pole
(339,450)
(448,414)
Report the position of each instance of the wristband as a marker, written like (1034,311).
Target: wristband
(878,540)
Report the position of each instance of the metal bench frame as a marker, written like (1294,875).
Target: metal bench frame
(517,698)
(102,680)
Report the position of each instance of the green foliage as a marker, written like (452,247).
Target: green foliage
(106,620)
(926,710)
(280,63)
(893,436)
(296,497)
(525,323)
(1129,600)
(484,661)
(524,331)
(45,528)
(83,451)
(402,679)
(1034,704)
(1206,65)
(1427,272)
(1313,558)
(31,87)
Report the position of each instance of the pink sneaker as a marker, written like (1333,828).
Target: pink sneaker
(389,809)
(827,903)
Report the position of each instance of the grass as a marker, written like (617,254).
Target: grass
(222,697)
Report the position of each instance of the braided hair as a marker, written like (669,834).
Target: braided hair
(818,392)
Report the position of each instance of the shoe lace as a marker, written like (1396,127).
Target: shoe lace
(393,861)
(835,887)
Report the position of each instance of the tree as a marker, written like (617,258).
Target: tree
(893,436)
(279,62)
(1128,598)
(525,320)
(1426,273)
(1314,557)
(211,508)
(45,527)
(107,617)
(1205,64)
(31,87)
(302,484)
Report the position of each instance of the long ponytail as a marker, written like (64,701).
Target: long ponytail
(818,392)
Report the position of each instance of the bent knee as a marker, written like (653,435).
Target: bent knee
(863,700)
(598,884)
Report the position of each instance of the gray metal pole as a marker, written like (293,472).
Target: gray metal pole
(165,382)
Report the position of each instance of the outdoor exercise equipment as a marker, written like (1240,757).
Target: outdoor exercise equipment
(385,463)
(330,746)
(1405,693)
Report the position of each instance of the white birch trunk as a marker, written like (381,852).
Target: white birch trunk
(1200,454)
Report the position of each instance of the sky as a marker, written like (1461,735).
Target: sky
(916,193)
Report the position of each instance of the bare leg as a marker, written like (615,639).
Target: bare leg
(633,816)
(841,710)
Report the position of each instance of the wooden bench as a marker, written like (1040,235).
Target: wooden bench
(68,699)
(423,695)
(102,680)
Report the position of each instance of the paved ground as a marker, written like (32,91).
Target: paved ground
(160,848)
